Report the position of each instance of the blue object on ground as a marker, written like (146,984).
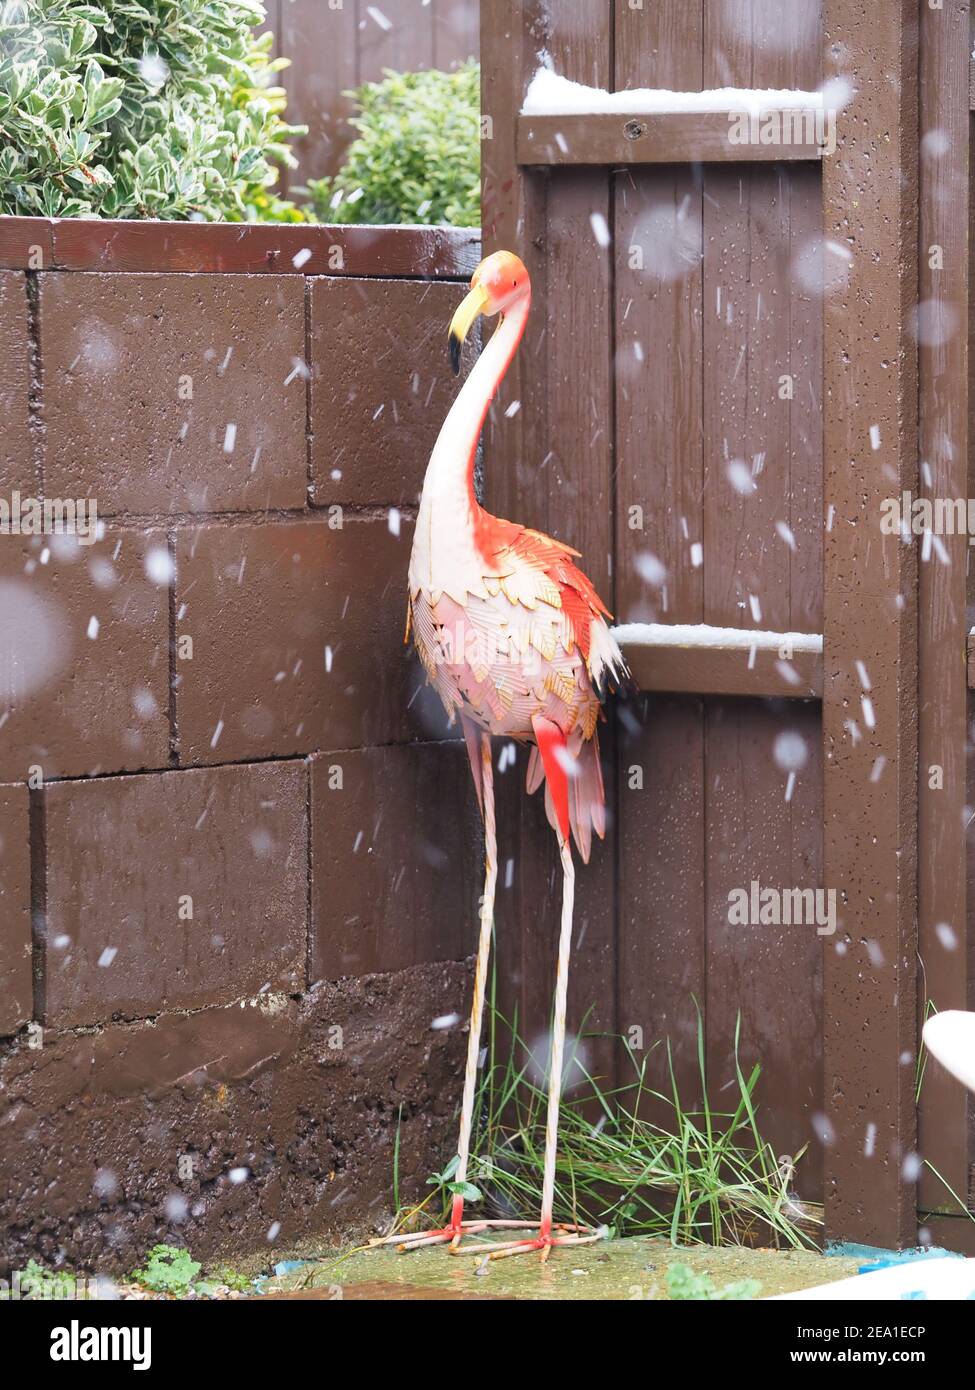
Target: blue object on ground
(284,1267)
(906,1257)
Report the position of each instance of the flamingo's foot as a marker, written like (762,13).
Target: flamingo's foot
(452,1234)
(560,1234)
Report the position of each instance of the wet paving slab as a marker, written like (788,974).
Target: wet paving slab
(383,1291)
(631,1269)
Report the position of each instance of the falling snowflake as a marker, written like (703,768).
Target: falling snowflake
(159,565)
(600,228)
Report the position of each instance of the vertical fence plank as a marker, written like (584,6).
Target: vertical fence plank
(802,962)
(763,43)
(761,828)
(805,370)
(943,694)
(746,559)
(456,33)
(661,889)
(395,34)
(548,455)
(659,460)
(575,471)
(321,45)
(765,973)
(870,784)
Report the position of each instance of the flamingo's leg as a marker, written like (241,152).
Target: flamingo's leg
(552,746)
(551,743)
(480,979)
(558,1039)
(457,1226)
(546,1237)
(550,1235)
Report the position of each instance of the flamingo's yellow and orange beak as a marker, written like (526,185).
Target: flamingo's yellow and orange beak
(473,305)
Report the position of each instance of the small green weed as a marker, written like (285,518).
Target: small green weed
(683,1283)
(449,1188)
(168,1269)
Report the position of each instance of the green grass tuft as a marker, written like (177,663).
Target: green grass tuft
(692,1174)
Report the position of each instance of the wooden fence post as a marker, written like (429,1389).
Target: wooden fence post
(943,820)
(870,187)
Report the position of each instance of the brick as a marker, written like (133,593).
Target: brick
(381,385)
(122,855)
(309,1096)
(118,351)
(78,696)
(396,859)
(16,988)
(26,242)
(17,467)
(297,633)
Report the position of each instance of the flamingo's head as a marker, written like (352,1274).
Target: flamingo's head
(498,283)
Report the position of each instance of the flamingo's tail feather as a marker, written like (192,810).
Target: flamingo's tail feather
(472,737)
(536,771)
(575,799)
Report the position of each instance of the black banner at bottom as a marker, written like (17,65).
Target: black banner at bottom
(155,1337)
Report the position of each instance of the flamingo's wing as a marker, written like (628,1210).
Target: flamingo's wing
(533,568)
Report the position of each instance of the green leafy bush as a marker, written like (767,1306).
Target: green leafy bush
(417,156)
(168,1269)
(164,108)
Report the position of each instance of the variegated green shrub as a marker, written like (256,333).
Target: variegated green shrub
(417,155)
(166,108)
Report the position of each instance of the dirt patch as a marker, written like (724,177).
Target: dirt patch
(247,1127)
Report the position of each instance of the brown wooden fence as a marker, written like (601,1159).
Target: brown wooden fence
(722,381)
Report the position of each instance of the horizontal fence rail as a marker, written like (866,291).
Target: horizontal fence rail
(701,660)
(680,137)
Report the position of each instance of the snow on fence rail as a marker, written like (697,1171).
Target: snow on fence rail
(723,660)
(550,94)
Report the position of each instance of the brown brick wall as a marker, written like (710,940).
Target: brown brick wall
(217,910)
(85,655)
(297,637)
(175,695)
(404,807)
(378,393)
(173,393)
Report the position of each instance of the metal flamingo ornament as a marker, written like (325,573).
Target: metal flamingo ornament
(515,640)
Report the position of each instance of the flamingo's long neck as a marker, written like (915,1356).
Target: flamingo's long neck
(449,510)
